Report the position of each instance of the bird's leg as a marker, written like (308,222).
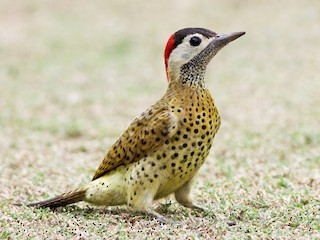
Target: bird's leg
(141,201)
(158,216)
(149,210)
(183,197)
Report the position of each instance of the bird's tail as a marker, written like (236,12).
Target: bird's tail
(61,200)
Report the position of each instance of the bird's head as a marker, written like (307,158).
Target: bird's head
(189,50)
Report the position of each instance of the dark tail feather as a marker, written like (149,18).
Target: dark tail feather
(61,200)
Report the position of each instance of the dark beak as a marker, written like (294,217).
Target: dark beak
(205,56)
(224,39)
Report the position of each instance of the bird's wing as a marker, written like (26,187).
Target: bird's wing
(142,137)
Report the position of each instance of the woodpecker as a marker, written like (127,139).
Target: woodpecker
(162,150)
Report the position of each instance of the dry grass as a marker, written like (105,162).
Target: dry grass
(73,75)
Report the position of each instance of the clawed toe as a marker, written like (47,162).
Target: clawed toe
(159,217)
(198,207)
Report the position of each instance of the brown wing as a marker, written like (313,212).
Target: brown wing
(143,136)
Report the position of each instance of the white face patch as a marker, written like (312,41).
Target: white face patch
(184,52)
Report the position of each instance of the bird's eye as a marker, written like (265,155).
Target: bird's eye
(195,41)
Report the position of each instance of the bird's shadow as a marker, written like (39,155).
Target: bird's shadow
(122,213)
(116,213)
(88,210)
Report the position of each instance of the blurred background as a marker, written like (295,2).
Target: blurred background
(74,74)
(88,68)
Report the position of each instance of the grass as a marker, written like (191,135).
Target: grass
(73,76)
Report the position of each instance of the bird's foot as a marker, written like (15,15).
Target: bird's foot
(198,207)
(190,204)
(162,219)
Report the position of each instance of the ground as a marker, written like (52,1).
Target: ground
(74,74)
